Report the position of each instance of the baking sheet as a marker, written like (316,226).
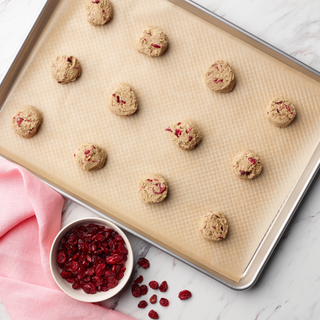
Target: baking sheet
(169,89)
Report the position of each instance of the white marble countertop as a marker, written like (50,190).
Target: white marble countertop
(288,287)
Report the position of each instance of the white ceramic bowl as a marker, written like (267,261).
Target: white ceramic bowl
(79,294)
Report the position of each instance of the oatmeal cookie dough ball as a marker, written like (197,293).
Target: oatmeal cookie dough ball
(99,12)
(220,77)
(123,101)
(247,165)
(153,188)
(213,226)
(26,121)
(186,134)
(153,42)
(65,69)
(281,112)
(90,157)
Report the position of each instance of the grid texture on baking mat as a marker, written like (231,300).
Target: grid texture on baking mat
(169,88)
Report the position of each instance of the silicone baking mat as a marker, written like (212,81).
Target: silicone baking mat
(169,89)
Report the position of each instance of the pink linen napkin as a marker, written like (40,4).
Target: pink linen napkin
(30,216)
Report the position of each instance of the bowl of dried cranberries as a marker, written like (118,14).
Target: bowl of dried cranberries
(91,259)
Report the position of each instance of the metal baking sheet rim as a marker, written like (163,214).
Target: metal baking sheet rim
(292,201)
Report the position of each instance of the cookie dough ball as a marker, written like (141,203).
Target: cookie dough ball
(153,188)
(99,12)
(281,112)
(26,121)
(247,165)
(123,101)
(186,134)
(153,42)
(213,226)
(220,77)
(90,157)
(66,69)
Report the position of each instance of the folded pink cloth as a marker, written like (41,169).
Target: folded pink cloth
(30,216)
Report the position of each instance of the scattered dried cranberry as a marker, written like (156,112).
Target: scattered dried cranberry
(154,285)
(163,286)
(144,263)
(142,304)
(153,299)
(92,257)
(156,45)
(144,290)
(164,302)
(139,279)
(184,294)
(252,161)
(135,289)
(153,315)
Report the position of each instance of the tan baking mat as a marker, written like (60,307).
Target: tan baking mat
(169,89)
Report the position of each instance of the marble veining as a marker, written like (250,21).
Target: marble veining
(289,286)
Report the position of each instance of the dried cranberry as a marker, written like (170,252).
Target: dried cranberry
(164,302)
(163,286)
(156,45)
(97,281)
(153,315)
(61,258)
(100,269)
(154,285)
(142,304)
(115,258)
(153,299)
(112,283)
(184,294)
(144,263)
(135,289)
(89,288)
(252,161)
(65,274)
(120,275)
(143,289)
(122,249)
(74,265)
(76,286)
(139,279)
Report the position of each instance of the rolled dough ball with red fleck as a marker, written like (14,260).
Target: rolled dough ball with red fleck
(123,101)
(90,157)
(153,188)
(99,12)
(26,121)
(220,77)
(186,134)
(281,112)
(153,42)
(247,165)
(66,69)
(213,226)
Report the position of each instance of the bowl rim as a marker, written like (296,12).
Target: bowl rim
(98,296)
